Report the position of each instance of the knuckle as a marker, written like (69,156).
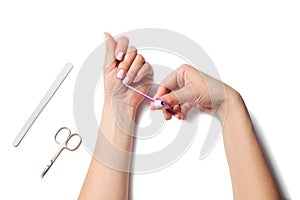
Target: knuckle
(124,66)
(123,39)
(183,67)
(131,49)
(148,64)
(139,58)
(148,68)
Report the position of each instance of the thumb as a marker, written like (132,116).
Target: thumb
(168,100)
(183,95)
(110,49)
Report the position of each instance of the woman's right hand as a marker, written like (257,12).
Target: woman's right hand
(187,87)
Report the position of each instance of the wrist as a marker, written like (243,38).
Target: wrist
(117,122)
(232,101)
(236,119)
(116,127)
(117,109)
(115,138)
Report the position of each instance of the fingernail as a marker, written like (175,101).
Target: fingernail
(158,104)
(119,55)
(176,115)
(120,73)
(135,79)
(126,80)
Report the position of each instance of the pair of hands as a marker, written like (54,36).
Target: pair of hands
(184,88)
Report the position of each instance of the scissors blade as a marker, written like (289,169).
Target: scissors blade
(61,148)
(46,169)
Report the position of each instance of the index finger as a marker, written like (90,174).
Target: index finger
(168,84)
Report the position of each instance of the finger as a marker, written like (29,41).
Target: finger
(180,96)
(110,49)
(185,108)
(171,99)
(177,111)
(167,114)
(183,95)
(145,70)
(134,69)
(126,62)
(122,44)
(170,82)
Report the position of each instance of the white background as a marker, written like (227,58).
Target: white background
(255,46)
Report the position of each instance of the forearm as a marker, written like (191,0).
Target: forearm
(108,176)
(250,174)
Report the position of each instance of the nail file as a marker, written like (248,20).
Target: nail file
(58,81)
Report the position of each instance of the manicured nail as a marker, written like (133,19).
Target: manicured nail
(126,80)
(119,55)
(135,79)
(120,73)
(158,104)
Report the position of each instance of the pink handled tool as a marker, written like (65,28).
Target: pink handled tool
(158,102)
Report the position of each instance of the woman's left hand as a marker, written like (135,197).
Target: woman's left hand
(124,66)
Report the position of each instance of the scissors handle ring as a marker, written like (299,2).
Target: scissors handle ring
(69,138)
(59,130)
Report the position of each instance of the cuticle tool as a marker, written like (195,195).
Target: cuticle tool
(161,101)
(141,93)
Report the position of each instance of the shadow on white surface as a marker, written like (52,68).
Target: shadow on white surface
(284,194)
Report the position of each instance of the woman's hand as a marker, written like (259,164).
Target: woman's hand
(124,66)
(187,87)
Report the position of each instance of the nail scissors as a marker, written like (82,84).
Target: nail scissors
(64,144)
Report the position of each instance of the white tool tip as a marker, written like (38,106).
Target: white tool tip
(158,104)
